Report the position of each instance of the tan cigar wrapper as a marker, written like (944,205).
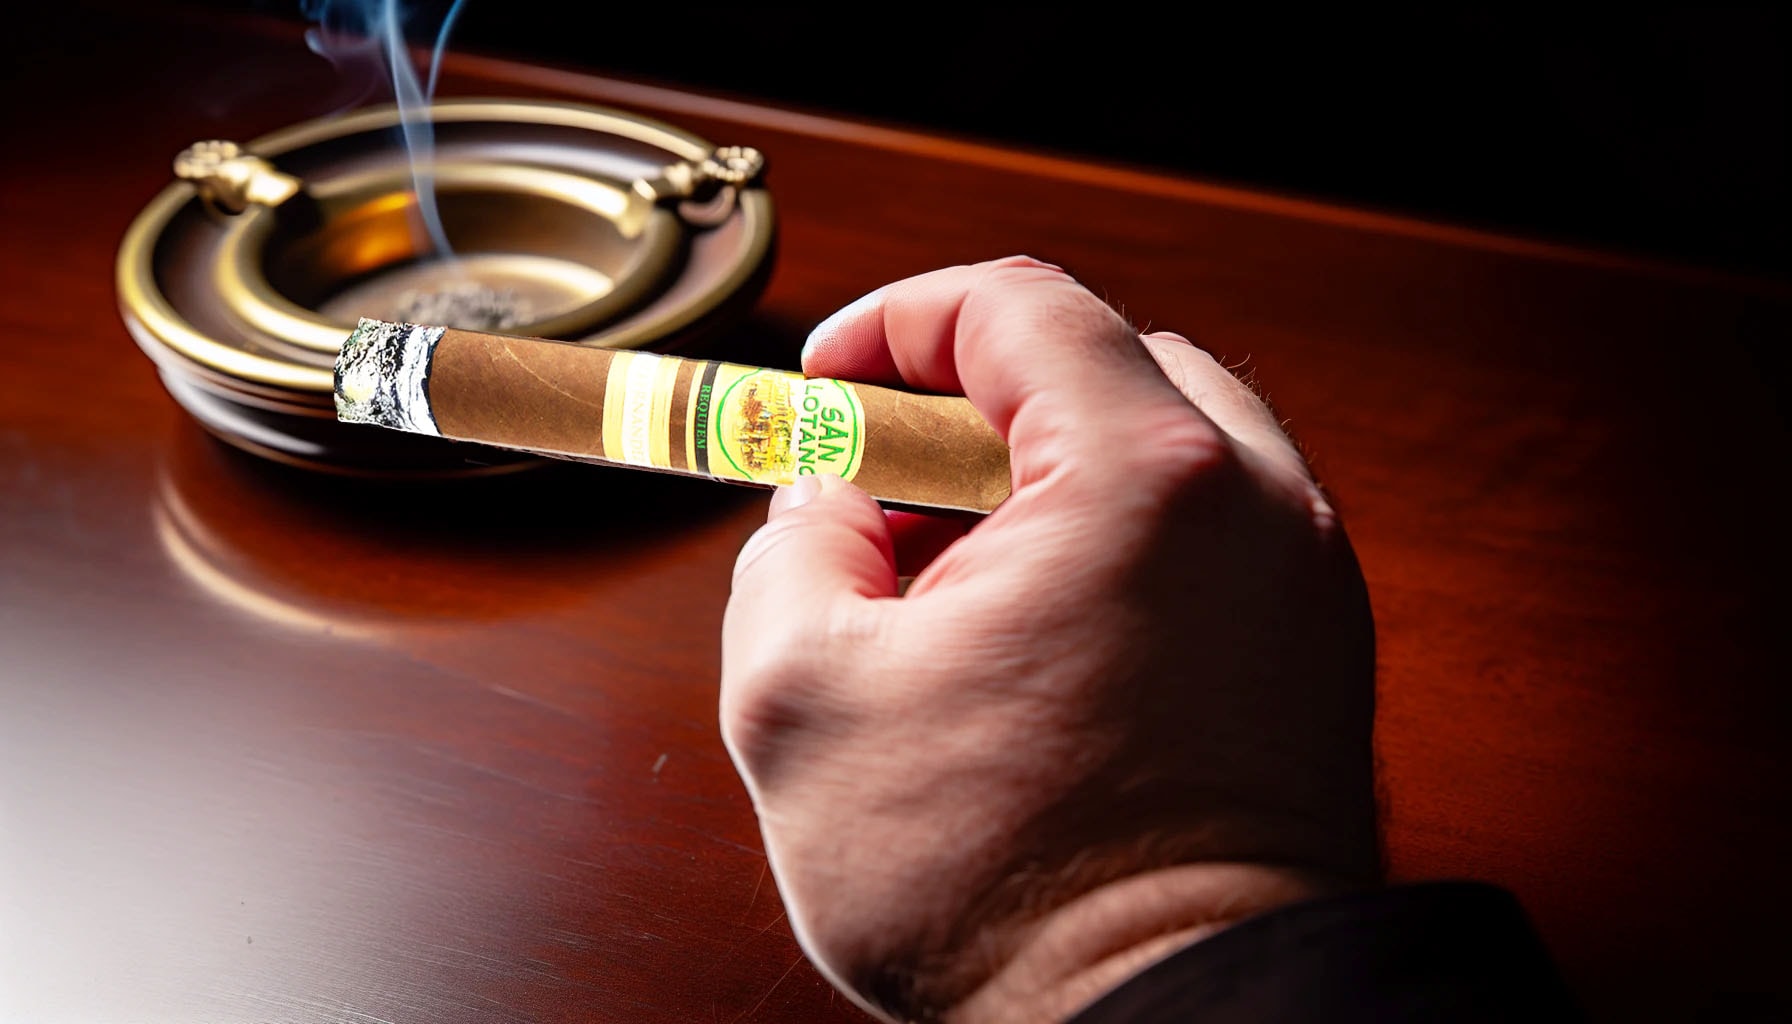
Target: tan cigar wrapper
(697,417)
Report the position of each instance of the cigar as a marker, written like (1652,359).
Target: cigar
(739,424)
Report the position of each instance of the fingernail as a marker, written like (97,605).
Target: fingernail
(1170,336)
(851,311)
(794,495)
(1025,260)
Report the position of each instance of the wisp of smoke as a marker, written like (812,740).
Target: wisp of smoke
(357,32)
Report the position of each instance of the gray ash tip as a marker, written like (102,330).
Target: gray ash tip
(468,306)
(382,376)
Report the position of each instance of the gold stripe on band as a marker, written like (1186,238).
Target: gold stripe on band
(615,392)
(659,425)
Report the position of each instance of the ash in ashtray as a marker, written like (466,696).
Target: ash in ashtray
(468,305)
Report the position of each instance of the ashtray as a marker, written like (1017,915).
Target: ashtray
(241,279)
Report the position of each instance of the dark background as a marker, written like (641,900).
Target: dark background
(1662,133)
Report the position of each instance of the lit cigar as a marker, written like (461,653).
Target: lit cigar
(742,424)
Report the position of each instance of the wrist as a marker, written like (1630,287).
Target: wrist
(1089,946)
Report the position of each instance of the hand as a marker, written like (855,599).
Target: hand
(1127,709)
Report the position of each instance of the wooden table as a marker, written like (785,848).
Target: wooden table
(274,747)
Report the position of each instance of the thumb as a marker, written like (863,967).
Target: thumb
(825,544)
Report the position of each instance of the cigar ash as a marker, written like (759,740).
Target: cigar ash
(471,291)
(468,305)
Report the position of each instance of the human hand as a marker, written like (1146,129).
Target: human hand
(1127,709)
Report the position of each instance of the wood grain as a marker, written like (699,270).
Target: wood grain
(278,747)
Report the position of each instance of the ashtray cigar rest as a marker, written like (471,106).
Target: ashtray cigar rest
(241,279)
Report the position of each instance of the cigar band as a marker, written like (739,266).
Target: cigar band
(730,421)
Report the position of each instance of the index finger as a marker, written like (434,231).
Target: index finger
(1039,355)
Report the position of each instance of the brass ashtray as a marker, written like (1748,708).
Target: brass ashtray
(241,279)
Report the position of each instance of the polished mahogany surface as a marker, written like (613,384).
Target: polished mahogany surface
(287,748)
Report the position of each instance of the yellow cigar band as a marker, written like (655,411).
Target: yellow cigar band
(740,422)
(665,377)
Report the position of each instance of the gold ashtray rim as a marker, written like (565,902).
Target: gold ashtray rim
(153,319)
(653,231)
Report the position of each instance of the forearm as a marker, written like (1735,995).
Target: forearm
(1433,952)
(1092,944)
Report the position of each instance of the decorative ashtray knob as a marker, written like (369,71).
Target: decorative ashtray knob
(711,183)
(232,179)
(734,165)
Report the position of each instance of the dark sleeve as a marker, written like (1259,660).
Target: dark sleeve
(1438,951)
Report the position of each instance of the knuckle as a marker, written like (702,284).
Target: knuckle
(759,710)
(1180,453)
(1042,299)
(787,688)
(1322,518)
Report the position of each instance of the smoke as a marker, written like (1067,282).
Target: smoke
(356,35)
